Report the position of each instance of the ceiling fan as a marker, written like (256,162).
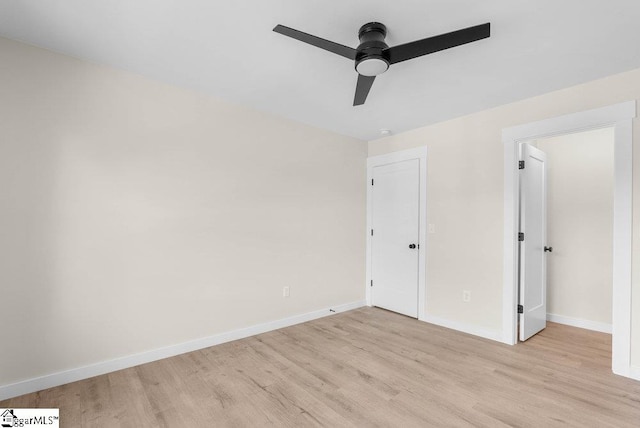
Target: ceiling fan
(373,57)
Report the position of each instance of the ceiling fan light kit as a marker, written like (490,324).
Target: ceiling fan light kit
(372,66)
(373,56)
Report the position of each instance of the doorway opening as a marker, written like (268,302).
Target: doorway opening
(571,259)
(619,117)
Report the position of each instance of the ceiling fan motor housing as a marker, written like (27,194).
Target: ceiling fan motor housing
(371,58)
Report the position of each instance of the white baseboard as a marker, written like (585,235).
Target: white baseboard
(634,372)
(73,375)
(463,327)
(577,322)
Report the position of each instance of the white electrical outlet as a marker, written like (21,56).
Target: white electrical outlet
(432,228)
(285,291)
(466,295)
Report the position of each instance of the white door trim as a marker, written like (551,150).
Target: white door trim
(620,117)
(419,153)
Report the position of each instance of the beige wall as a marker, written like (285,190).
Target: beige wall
(465,198)
(135,215)
(580,224)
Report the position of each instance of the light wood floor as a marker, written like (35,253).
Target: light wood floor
(367,367)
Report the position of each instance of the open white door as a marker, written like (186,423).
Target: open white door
(395,236)
(533,238)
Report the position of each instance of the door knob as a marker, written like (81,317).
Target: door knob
(412,246)
(548,249)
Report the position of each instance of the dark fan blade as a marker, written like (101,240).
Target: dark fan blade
(438,43)
(362,89)
(336,48)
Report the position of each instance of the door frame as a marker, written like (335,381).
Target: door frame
(620,117)
(419,153)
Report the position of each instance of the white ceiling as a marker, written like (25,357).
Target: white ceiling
(227,49)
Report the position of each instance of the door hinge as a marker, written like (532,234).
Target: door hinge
(520,309)
(520,164)
(372,282)
(372,181)
(520,236)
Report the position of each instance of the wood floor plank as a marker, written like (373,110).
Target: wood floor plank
(366,367)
